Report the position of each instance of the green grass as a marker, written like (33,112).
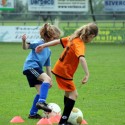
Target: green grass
(102,99)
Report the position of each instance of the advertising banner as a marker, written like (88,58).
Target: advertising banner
(6,4)
(58,5)
(114,5)
(14,33)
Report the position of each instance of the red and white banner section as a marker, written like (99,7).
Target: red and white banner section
(14,33)
(6,4)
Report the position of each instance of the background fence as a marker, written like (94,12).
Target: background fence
(111,24)
(109,31)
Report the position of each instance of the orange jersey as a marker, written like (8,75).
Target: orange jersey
(68,62)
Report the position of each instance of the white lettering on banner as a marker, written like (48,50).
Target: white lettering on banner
(14,33)
(58,5)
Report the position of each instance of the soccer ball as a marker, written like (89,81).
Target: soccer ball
(56,110)
(76,116)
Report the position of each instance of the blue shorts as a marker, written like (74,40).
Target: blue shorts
(32,75)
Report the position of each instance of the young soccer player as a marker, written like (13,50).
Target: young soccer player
(33,68)
(65,67)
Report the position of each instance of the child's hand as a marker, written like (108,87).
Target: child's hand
(24,38)
(85,79)
(39,48)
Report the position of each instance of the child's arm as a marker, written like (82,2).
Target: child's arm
(85,68)
(24,44)
(51,43)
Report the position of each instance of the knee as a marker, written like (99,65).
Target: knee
(44,78)
(76,95)
(48,80)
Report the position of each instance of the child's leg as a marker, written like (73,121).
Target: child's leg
(34,109)
(67,110)
(42,99)
(33,112)
(69,102)
(44,92)
(65,99)
(45,85)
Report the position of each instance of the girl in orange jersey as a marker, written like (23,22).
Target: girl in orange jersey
(65,67)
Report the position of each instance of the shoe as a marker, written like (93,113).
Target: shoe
(66,123)
(37,116)
(43,106)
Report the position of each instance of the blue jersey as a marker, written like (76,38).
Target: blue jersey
(37,60)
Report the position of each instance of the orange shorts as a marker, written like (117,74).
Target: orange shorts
(66,85)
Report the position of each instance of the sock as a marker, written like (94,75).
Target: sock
(65,99)
(67,110)
(34,110)
(43,92)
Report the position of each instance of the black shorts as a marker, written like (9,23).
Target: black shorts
(32,75)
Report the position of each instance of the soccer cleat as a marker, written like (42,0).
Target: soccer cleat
(66,123)
(36,116)
(43,106)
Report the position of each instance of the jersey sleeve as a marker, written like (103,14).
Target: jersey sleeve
(80,49)
(48,62)
(33,45)
(64,41)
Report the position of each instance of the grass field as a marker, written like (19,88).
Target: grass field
(102,99)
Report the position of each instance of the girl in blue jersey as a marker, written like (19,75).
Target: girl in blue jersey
(33,68)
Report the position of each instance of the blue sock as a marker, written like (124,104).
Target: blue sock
(44,92)
(34,110)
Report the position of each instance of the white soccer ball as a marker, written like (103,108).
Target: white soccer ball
(56,110)
(76,116)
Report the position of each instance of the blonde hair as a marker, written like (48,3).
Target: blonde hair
(85,31)
(49,32)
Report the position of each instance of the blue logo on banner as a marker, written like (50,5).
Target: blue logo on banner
(114,5)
